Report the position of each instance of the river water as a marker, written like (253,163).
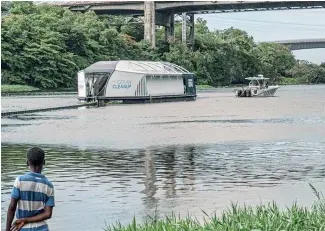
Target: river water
(120,161)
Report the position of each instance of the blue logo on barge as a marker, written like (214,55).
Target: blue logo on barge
(121,84)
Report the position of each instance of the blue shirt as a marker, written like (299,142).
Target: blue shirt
(33,192)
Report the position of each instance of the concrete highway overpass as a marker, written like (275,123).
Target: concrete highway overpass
(190,7)
(162,12)
(301,44)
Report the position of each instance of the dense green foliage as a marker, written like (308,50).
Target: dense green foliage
(306,72)
(44,46)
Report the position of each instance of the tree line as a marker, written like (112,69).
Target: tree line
(45,46)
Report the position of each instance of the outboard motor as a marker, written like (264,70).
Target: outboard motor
(239,93)
(249,93)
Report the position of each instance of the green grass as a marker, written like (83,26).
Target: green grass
(17,88)
(263,217)
(204,87)
(60,90)
(289,81)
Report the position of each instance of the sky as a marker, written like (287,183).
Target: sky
(276,25)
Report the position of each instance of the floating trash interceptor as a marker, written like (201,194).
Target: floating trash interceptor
(135,81)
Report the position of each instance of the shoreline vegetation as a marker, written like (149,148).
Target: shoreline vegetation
(245,218)
(30,90)
(25,89)
(17,88)
(44,46)
(22,89)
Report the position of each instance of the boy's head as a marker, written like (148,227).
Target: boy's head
(35,157)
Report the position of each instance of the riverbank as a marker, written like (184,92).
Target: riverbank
(17,88)
(262,217)
(7,90)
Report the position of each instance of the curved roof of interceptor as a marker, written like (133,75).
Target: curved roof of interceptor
(146,67)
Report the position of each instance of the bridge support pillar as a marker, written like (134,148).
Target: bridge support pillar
(170,28)
(190,20)
(150,22)
(184,19)
(167,21)
(191,36)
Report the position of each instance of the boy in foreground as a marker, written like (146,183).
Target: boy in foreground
(32,195)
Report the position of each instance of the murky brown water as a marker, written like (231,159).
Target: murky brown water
(112,163)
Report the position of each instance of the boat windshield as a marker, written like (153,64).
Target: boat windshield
(254,83)
(259,81)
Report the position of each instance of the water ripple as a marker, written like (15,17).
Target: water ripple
(295,120)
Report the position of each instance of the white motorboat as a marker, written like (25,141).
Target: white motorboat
(257,87)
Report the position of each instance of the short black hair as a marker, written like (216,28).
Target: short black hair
(35,156)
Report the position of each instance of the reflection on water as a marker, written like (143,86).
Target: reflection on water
(312,120)
(117,184)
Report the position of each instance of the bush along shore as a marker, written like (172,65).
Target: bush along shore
(45,46)
(246,218)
